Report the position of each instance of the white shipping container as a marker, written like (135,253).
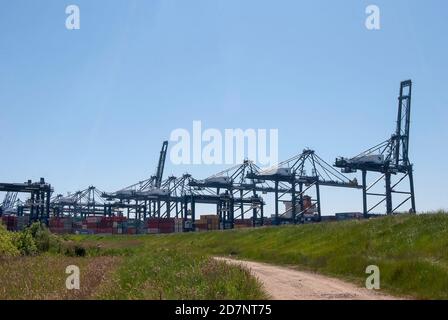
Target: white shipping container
(223,180)
(373,158)
(276,171)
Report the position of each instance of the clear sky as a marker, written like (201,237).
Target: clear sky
(92,106)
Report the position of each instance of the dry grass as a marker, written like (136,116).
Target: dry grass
(43,277)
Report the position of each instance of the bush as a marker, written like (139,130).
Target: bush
(41,236)
(31,241)
(25,243)
(7,247)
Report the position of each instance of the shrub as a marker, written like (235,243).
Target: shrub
(41,236)
(7,247)
(25,243)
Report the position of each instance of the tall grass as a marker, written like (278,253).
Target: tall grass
(411,251)
(115,268)
(43,277)
(162,273)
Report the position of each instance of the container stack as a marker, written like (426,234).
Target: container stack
(179,225)
(243,223)
(207,223)
(160,225)
(92,224)
(78,225)
(166,225)
(200,226)
(133,226)
(60,225)
(67,224)
(10,222)
(119,225)
(105,225)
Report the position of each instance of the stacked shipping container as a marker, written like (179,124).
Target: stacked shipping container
(160,225)
(207,223)
(10,222)
(243,223)
(61,225)
(122,225)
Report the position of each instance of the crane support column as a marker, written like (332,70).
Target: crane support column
(293,200)
(276,222)
(389,208)
(364,194)
(319,213)
(411,186)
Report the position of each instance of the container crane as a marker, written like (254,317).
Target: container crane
(389,158)
(9,202)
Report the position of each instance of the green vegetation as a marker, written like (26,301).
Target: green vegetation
(43,276)
(7,246)
(410,250)
(114,267)
(159,273)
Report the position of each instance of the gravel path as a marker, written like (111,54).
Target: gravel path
(283,283)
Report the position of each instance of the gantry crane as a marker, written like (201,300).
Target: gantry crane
(297,176)
(83,203)
(389,159)
(9,202)
(39,202)
(145,193)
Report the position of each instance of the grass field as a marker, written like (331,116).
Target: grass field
(411,252)
(125,268)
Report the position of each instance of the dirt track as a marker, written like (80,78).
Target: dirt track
(288,284)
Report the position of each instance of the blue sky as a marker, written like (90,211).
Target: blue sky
(92,106)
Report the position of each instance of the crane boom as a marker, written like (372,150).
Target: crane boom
(161,165)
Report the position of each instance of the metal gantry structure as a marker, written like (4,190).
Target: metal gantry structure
(234,193)
(9,203)
(387,160)
(146,198)
(84,203)
(298,177)
(38,205)
(238,191)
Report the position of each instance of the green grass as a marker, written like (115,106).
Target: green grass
(159,273)
(151,271)
(411,251)
(123,267)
